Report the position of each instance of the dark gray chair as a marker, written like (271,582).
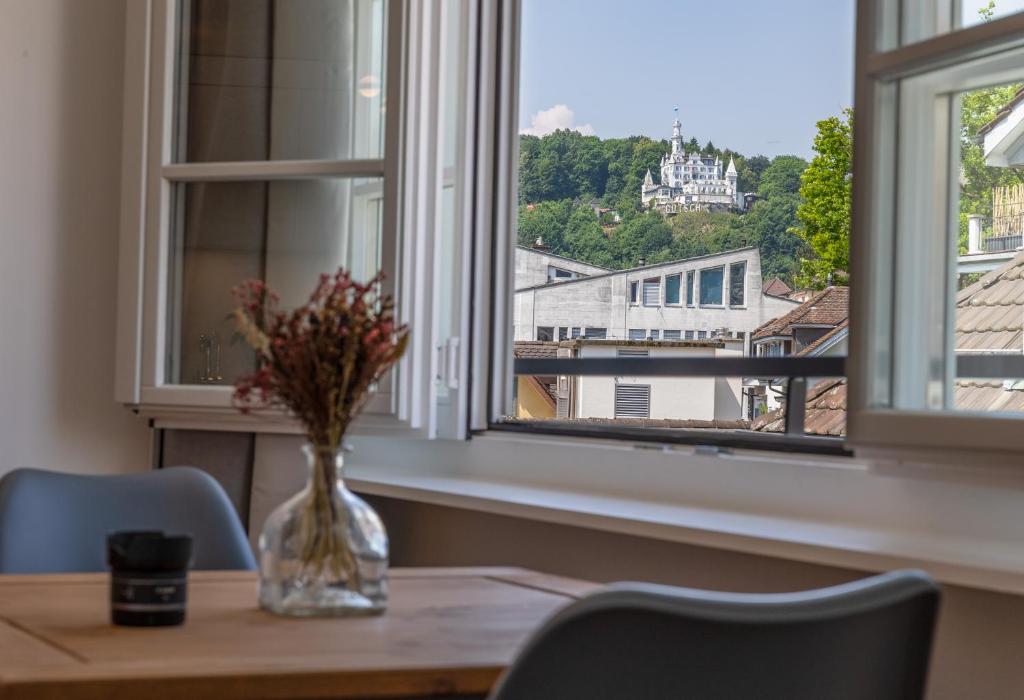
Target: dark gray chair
(866,640)
(55,522)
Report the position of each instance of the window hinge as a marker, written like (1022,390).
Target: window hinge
(448,363)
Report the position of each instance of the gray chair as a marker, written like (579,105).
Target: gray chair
(866,640)
(55,522)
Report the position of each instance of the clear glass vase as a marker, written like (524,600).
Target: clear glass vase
(324,551)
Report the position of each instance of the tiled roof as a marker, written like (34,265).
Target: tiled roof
(826,308)
(813,347)
(824,415)
(989,313)
(535,348)
(776,287)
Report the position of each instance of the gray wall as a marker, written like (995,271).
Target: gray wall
(980,639)
(61,66)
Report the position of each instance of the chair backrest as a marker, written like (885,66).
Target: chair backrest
(866,640)
(55,522)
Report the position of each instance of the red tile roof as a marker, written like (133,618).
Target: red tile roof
(829,307)
(535,349)
(824,415)
(776,287)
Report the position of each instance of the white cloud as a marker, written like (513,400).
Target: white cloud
(557,117)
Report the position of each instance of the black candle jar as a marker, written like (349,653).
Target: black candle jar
(148,578)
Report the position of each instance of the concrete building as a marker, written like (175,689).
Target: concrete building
(711,296)
(538,266)
(691,181)
(660,398)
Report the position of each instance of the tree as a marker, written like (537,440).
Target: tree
(824,214)
(782,176)
(645,235)
(544,220)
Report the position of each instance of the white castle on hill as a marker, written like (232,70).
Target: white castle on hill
(691,182)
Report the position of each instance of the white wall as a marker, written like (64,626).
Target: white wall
(61,65)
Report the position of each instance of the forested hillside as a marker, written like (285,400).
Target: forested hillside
(565,178)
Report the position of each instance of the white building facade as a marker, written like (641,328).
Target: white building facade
(656,398)
(537,266)
(691,181)
(711,296)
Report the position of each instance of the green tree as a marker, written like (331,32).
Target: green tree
(781,176)
(644,235)
(544,220)
(585,239)
(824,214)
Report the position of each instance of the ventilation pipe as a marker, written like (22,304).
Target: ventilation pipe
(974,234)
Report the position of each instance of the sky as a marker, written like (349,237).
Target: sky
(751,75)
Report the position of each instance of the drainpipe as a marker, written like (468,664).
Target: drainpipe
(974,234)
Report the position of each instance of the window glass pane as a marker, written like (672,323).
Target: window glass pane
(597,333)
(286,233)
(652,289)
(672,289)
(910,21)
(563,333)
(634,294)
(737,284)
(545,333)
(637,334)
(283,80)
(711,286)
(689,287)
(671,335)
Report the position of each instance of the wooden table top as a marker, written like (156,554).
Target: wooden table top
(446,632)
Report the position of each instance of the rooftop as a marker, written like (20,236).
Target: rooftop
(829,307)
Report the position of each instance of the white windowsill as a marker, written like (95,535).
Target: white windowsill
(975,559)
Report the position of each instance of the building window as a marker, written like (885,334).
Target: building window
(672,285)
(575,332)
(632,352)
(652,291)
(671,335)
(689,287)
(702,335)
(632,400)
(711,286)
(653,335)
(596,333)
(563,333)
(546,333)
(737,283)
(634,292)
(688,335)
(637,334)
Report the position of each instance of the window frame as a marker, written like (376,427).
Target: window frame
(700,296)
(413,174)
(644,285)
(679,289)
(881,369)
(743,285)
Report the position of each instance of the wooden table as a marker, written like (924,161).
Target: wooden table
(447,632)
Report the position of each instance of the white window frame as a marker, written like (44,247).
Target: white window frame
(656,283)
(413,179)
(894,346)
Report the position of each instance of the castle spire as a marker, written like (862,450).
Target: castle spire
(677,132)
(731,170)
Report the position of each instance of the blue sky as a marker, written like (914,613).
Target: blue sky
(751,75)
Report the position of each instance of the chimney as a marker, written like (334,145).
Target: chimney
(642,262)
(974,234)
(540,245)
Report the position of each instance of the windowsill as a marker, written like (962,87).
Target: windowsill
(810,510)
(712,306)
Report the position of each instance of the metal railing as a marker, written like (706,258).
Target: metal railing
(796,369)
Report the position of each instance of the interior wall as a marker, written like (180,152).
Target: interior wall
(61,69)
(980,635)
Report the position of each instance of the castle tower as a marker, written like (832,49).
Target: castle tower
(730,177)
(677,133)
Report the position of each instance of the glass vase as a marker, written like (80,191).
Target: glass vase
(324,551)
